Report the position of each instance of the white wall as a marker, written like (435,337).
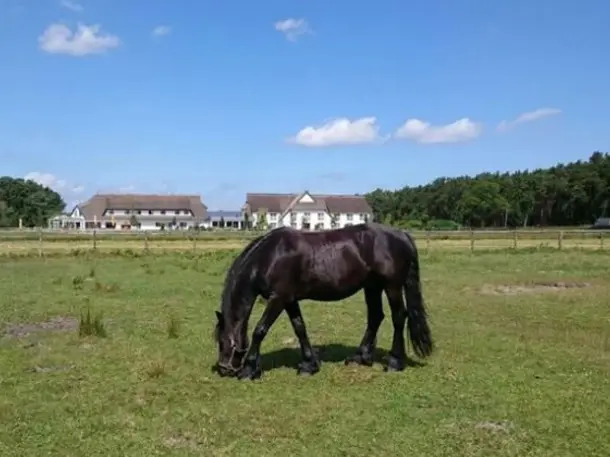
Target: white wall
(296,219)
(147,213)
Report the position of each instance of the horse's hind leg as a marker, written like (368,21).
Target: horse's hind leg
(398,353)
(310,364)
(374,308)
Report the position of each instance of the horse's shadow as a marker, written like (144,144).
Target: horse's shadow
(327,353)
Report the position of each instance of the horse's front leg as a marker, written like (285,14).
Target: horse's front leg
(251,368)
(310,364)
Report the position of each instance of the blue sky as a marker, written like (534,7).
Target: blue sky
(227,97)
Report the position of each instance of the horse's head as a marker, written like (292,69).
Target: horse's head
(231,350)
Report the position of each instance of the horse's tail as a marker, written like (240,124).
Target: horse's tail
(417,323)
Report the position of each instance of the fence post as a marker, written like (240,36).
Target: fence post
(40,249)
(94,240)
(515,239)
(560,240)
(471,240)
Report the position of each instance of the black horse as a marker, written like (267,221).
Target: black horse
(286,265)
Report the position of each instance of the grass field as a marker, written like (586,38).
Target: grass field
(50,243)
(522,367)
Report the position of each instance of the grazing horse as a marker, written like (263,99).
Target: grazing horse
(286,265)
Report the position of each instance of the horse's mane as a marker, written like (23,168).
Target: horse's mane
(237,266)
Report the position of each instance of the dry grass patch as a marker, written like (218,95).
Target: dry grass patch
(514,289)
(55,324)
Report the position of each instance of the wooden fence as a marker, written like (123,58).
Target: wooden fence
(46,241)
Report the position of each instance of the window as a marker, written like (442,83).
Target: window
(187,212)
(110,211)
(139,212)
(320,215)
(272,216)
(350,216)
(162,211)
(127,211)
(306,214)
(150,211)
(177,212)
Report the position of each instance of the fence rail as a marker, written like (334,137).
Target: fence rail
(49,241)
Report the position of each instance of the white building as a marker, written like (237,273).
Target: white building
(135,211)
(306,211)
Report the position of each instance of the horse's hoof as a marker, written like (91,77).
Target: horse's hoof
(359,359)
(394,365)
(249,373)
(308,368)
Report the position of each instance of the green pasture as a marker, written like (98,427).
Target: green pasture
(522,366)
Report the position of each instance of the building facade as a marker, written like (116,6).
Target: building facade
(306,211)
(224,220)
(135,212)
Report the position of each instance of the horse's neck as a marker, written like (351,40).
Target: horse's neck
(242,299)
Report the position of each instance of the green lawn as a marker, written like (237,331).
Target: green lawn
(519,371)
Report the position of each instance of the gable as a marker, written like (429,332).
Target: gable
(75,212)
(306,198)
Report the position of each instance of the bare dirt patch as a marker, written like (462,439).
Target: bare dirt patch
(516,289)
(495,427)
(50,369)
(56,324)
(184,441)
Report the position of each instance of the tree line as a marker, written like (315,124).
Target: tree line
(27,201)
(576,193)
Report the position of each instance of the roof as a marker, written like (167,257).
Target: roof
(99,203)
(281,203)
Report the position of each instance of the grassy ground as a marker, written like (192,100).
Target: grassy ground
(522,368)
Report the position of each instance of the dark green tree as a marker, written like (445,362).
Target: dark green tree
(569,194)
(29,201)
(133,221)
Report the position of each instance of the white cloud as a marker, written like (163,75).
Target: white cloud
(46,179)
(339,131)
(162,30)
(425,133)
(71,5)
(61,186)
(292,28)
(59,39)
(530,116)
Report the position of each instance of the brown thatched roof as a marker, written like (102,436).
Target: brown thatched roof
(99,203)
